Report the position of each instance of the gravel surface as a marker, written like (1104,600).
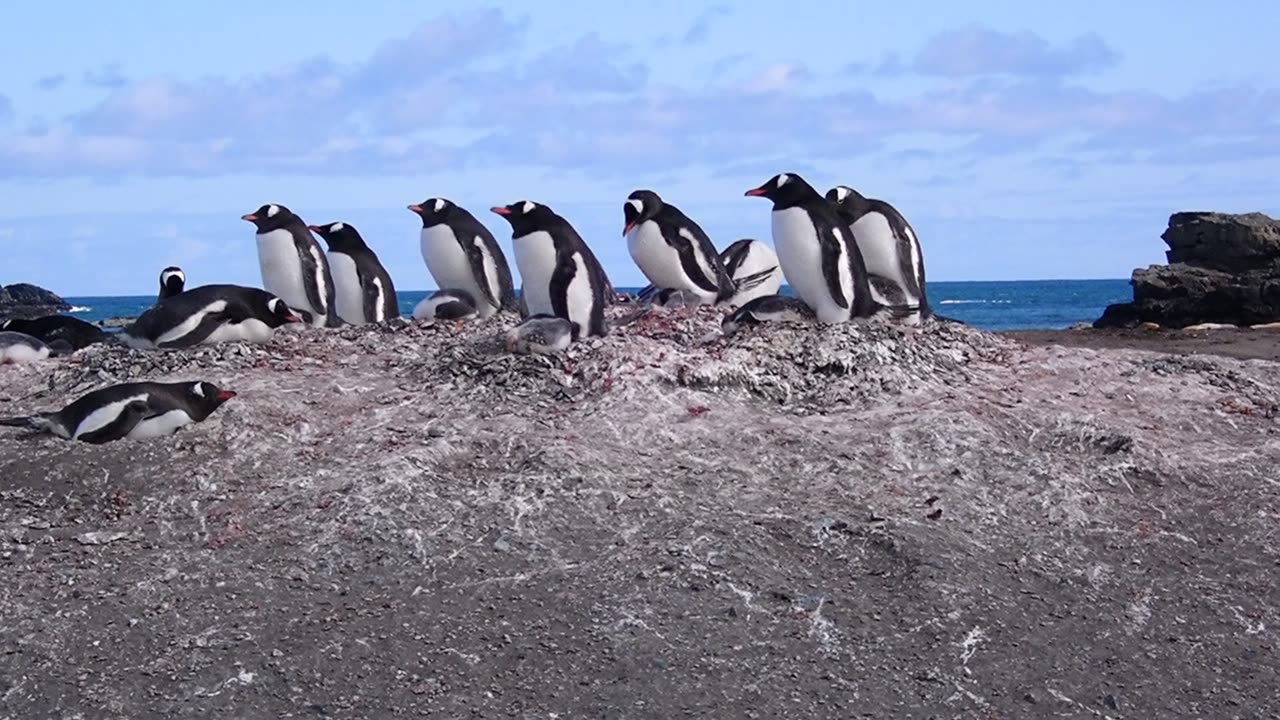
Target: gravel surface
(793,522)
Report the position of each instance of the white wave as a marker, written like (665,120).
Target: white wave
(974,302)
(79,309)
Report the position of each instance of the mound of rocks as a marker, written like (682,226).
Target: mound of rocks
(29,301)
(1222,269)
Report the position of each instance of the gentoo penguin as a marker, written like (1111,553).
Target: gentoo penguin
(363,292)
(49,329)
(766,308)
(207,315)
(130,410)
(559,275)
(672,250)
(540,334)
(172,281)
(462,254)
(818,258)
(888,245)
(447,304)
(293,266)
(754,268)
(16,347)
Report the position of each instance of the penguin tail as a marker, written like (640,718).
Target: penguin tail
(647,293)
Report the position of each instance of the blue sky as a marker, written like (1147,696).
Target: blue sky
(1022,140)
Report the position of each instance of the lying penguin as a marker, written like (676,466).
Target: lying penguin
(447,304)
(130,410)
(767,308)
(16,347)
(539,334)
(209,314)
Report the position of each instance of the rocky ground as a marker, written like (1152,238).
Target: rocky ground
(794,522)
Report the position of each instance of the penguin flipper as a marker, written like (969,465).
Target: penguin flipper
(475,256)
(693,269)
(122,425)
(831,250)
(560,279)
(315,266)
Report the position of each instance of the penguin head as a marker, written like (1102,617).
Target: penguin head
(172,279)
(525,216)
(433,211)
(340,237)
(279,313)
(847,201)
(206,397)
(270,217)
(640,206)
(785,190)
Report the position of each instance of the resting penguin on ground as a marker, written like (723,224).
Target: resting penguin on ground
(672,250)
(172,282)
(820,261)
(130,410)
(209,314)
(539,334)
(461,253)
(292,264)
(559,274)
(889,247)
(446,304)
(363,291)
(754,268)
(16,347)
(51,328)
(767,308)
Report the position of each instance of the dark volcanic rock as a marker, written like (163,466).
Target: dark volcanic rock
(28,301)
(1223,269)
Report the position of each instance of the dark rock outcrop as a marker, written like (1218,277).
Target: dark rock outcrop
(28,301)
(1222,269)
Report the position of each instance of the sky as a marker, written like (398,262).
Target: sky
(1021,140)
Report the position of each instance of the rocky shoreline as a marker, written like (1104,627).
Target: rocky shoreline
(1223,270)
(29,301)
(793,522)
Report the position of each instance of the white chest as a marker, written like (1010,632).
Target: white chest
(282,273)
(659,262)
(20,353)
(800,255)
(160,425)
(450,265)
(348,295)
(536,260)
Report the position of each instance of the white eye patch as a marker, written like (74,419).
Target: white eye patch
(439,205)
(336,227)
(842,192)
(639,206)
(198,389)
(783,179)
(272,210)
(527,207)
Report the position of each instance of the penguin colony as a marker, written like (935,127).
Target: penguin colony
(846,258)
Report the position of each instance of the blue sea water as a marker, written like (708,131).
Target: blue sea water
(1004,305)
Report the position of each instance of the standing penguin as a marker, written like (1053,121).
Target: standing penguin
(672,251)
(129,410)
(821,263)
(887,243)
(461,253)
(363,292)
(293,265)
(559,274)
(172,281)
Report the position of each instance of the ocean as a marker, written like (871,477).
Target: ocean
(1004,305)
